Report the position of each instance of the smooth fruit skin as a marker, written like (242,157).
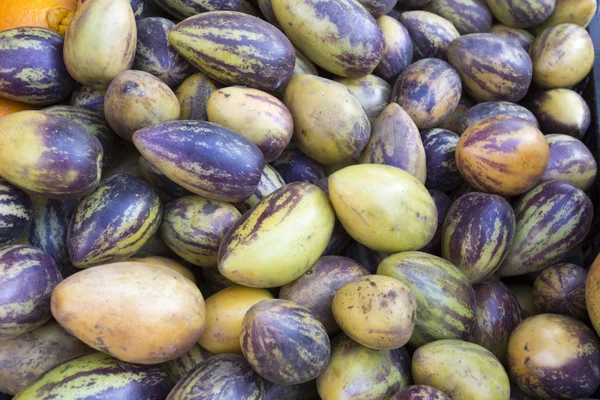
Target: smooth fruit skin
(180,367)
(468,16)
(181,9)
(560,289)
(372,92)
(440,155)
(398,53)
(580,12)
(431,34)
(89,98)
(592,293)
(193,94)
(571,161)
(518,36)
(489,109)
(17,13)
(562,111)
(521,13)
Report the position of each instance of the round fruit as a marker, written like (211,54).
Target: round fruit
(430,33)
(520,37)
(193,94)
(372,92)
(571,161)
(562,111)
(521,13)
(398,52)
(440,153)
(560,289)
(489,109)
(468,16)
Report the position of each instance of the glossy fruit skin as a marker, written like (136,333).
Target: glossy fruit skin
(166,189)
(489,109)
(16,213)
(522,13)
(560,289)
(520,37)
(562,111)
(440,155)
(33,68)
(193,94)
(270,181)
(295,166)
(372,92)
(419,392)
(553,356)
(578,12)
(571,161)
(89,98)
(167,263)
(294,333)
(431,34)
(399,50)
(467,16)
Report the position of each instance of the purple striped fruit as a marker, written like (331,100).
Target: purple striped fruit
(431,34)
(395,141)
(552,219)
(445,298)
(49,155)
(467,16)
(571,161)
(298,217)
(491,67)
(181,9)
(166,188)
(580,12)
(366,257)
(284,343)
(428,90)
(489,109)
(295,166)
(16,213)
(28,356)
(266,8)
(419,392)
(95,123)
(560,289)
(254,114)
(33,70)
(180,367)
(478,232)
(127,162)
(442,203)
(88,98)
(378,7)
(193,94)
(505,155)
(113,44)
(520,37)
(304,391)
(104,377)
(551,356)
(315,289)
(113,222)
(27,278)
(372,91)
(344,38)
(440,156)
(398,53)
(193,227)
(155,247)
(270,181)
(521,13)
(235,49)
(155,55)
(562,111)
(497,314)
(357,372)
(205,158)
(453,121)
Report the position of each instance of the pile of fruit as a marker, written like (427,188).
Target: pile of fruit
(296,200)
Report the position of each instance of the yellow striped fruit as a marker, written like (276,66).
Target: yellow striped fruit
(180,367)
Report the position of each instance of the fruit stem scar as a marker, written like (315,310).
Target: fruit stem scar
(58,19)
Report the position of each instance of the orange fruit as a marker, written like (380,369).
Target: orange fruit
(53,14)
(11,106)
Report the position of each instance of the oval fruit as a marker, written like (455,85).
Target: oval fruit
(592,296)
(560,289)
(205,158)
(440,155)
(101,306)
(167,189)
(295,166)
(504,155)
(225,311)
(167,263)
(467,16)
(298,217)
(520,37)
(491,67)
(180,367)
(431,34)
(580,12)
(442,203)
(284,343)
(113,44)
(88,98)
(371,91)
(571,161)
(461,369)
(193,94)
(398,52)
(182,9)
(27,278)
(552,219)
(270,181)
(552,356)
(49,155)
(562,111)
(445,298)
(236,49)
(358,372)
(522,13)
(490,109)
(419,392)
(16,213)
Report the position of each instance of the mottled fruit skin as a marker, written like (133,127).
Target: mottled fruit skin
(467,16)
(461,369)
(430,33)
(222,377)
(552,219)
(193,227)
(27,278)
(552,53)
(497,314)
(28,356)
(521,13)
(113,44)
(378,7)
(445,298)
(518,36)
(181,9)
(580,12)
(491,67)
(49,155)
(571,161)
(478,232)
(257,115)
(16,213)
(284,343)
(592,295)
(104,377)
(372,92)
(205,158)
(102,306)
(562,111)
(383,207)
(298,217)
(330,124)
(440,156)
(388,324)
(399,50)
(395,141)
(428,90)
(356,372)
(236,49)
(560,289)
(552,356)
(344,38)
(270,181)
(315,289)
(419,392)
(505,155)
(193,94)
(295,166)
(442,203)
(88,98)
(33,70)
(489,109)
(167,189)
(180,367)
(113,222)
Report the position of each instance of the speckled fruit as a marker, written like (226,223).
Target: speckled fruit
(524,295)
(560,289)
